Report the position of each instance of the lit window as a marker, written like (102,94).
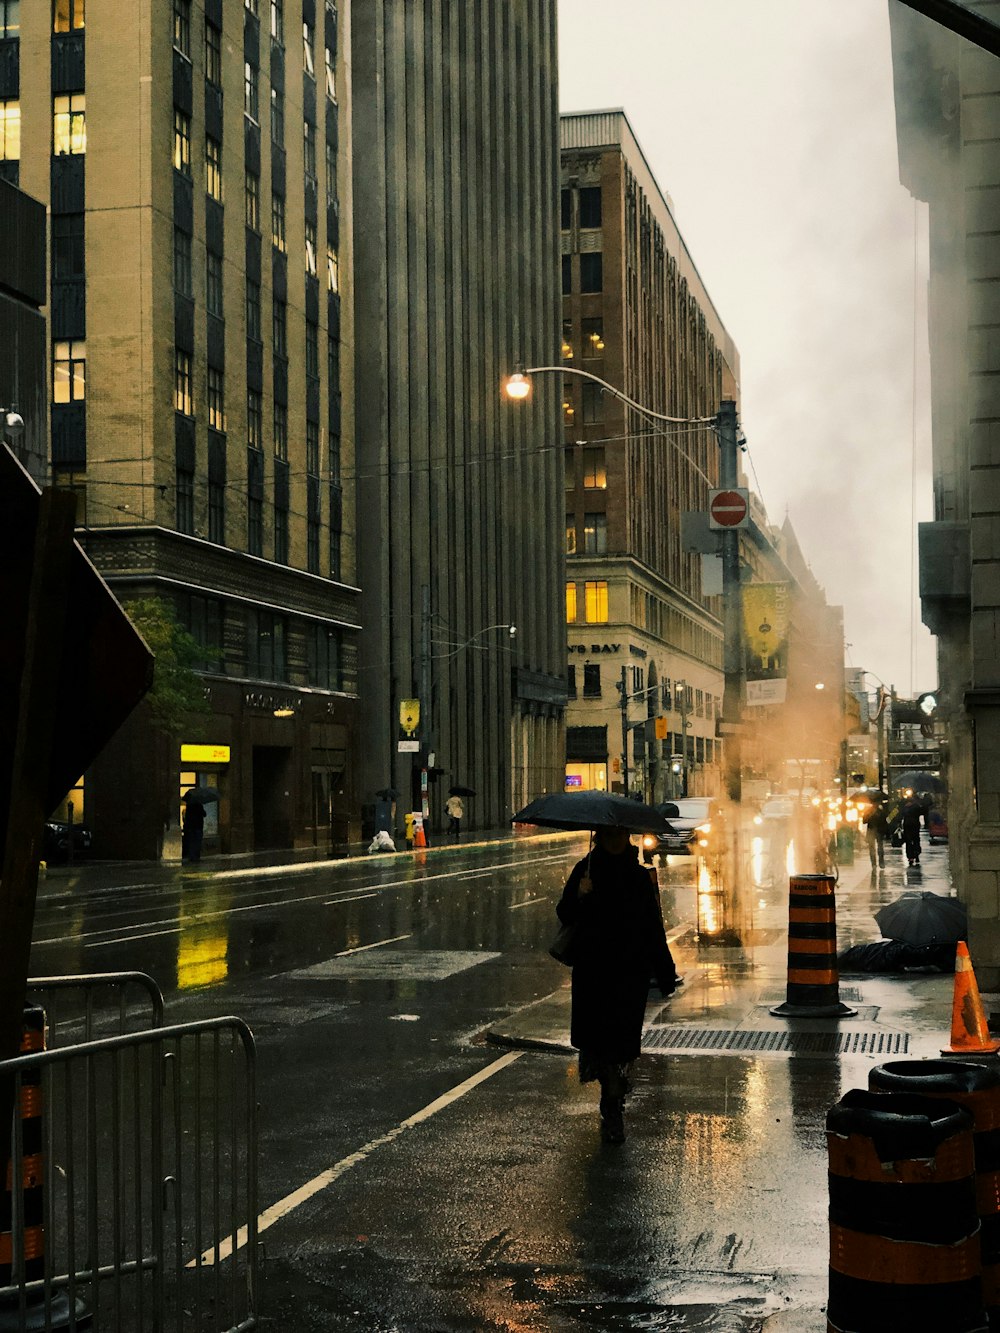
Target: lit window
(255,420)
(183,393)
(10,131)
(9,17)
(308,39)
(592,338)
(251,5)
(213,167)
(278,21)
(595,476)
(311,248)
(309,148)
(216,399)
(567,340)
(595,534)
(568,410)
(251,97)
(331,75)
(69,372)
(595,610)
(182,142)
(571,534)
(68,15)
(278,221)
(570,603)
(213,283)
(213,54)
(182,27)
(332,270)
(252,196)
(69,125)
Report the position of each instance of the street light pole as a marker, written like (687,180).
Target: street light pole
(732,702)
(623,687)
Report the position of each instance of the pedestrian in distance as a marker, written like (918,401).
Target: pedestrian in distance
(612,904)
(911,831)
(454,810)
(876,827)
(193,830)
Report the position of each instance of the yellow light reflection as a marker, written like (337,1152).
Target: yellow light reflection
(708,902)
(757,860)
(203,944)
(790,857)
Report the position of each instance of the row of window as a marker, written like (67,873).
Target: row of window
(591,399)
(595,602)
(69,127)
(588,207)
(595,470)
(591,272)
(72,354)
(681,697)
(595,535)
(67,16)
(591,338)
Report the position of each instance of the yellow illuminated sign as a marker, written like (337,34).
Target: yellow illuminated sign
(205,754)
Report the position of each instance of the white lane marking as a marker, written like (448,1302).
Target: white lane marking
(475,874)
(377,945)
(125,939)
(291,902)
(292,1201)
(528,902)
(357,898)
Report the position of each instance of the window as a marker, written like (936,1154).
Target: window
(570,603)
(277,117)
(253,310)
(591,272)
(312,545)
(251,5)
(67,246)
(312,448)
(252,197)
(182,27)
(592,336)
(278,21)
(185,501)
(593,403)
(255,525)
(281,535)
(69,125)
(331,175)
(203,618)
(183,392)
(281,431)
(182,142)
(267,634)
(565,209)
(69,372)
(595,534)
(333,364)
(213,167)
(213,283)
(217,512)
(569,411)
(255,420)
(592,680)
(567,340)
(595,476)
(10,131)
(571,682)
(331,74)
(216,399)
(308,42)
(9,17)
(595,606)
(278,222)
(251,95)
(332,270)
(567,274)
(311,248)
(213,54)
(182,262)
(323,652)
(279,328)
(312,351)
(68,15)
(309,149)
(569,467)
(590,206)
(571,534)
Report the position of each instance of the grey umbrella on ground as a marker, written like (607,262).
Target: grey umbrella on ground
(201,795)
(592,810)
(924,918)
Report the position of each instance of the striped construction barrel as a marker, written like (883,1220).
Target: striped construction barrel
(904,1231)
(813,989)
(29,1252)
(977,1088)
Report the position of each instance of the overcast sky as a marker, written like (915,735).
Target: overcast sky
(770,124)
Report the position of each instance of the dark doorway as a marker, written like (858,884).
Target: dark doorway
(272,798)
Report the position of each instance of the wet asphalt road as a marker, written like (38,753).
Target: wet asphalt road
(461,1204)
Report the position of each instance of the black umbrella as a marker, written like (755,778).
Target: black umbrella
(924,918)
(387,794)
(460,791)
(592,810)
(201,795)
(918,780)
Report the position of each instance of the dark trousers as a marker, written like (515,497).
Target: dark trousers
(454,826)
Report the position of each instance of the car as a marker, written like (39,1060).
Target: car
(691,824)
(777,808)
(55,840)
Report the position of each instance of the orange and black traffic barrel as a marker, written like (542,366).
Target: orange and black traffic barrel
(904,1231)
(813,988)
(977,1088)
(31,1247)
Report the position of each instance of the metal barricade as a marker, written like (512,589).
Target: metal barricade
(150,1184)
(96,1004)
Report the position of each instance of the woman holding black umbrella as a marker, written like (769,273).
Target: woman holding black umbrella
(613,905)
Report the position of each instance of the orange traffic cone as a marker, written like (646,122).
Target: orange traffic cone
(969,1031)
(419,837)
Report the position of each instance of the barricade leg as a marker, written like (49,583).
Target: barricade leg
(813,989)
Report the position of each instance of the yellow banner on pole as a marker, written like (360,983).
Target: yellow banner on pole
(765,624)
(409,715)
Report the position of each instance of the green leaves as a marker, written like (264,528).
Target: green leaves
(177,688)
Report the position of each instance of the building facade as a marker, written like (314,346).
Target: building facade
(640,617)
(456,181)
(948,131)
(201,381)
(23,366)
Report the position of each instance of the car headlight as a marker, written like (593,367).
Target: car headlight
(704,828)
(648,840)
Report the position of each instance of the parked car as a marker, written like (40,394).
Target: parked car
(692,825)
(55,840)
(777,807)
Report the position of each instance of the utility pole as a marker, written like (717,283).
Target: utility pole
(623,686)
(682,694)
(425,697)
(732,703)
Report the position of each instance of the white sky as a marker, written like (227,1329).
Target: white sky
(770,123)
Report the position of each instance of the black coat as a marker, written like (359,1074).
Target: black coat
(620,943)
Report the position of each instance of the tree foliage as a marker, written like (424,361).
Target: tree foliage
(177,689)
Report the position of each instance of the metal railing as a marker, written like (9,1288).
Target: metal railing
(149,1161)
(96,1004)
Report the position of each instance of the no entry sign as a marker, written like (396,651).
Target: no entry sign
(728,509)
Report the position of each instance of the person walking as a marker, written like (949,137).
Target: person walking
(193,830)
(612,903)
(454,810)
(911,831)
(876,827)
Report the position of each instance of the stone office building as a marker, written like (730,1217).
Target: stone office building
(194,162)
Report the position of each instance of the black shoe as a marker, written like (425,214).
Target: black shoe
(612,1121)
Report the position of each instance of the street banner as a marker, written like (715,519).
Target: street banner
(409,715)
(765,624)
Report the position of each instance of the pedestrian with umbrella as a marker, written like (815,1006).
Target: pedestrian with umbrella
(193,830)
(910,820)
(455,810)
(612,905)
